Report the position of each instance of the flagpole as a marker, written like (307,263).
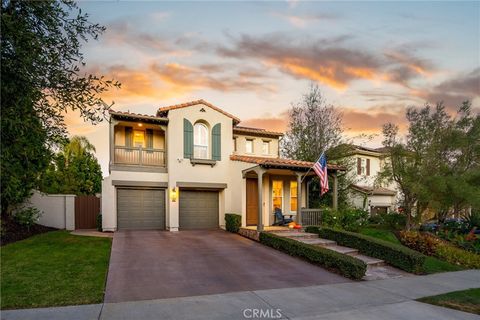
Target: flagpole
(312,166)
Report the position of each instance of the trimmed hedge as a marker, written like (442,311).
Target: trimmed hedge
(233,222)
(396,255)
(99,222)
(347,266)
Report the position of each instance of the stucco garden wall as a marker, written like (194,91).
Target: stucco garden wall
(58,210)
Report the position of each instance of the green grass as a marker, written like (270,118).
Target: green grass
(465,300)
(432,264)
(54,269)
(382,234)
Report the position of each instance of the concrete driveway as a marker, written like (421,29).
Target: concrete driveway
(153,264)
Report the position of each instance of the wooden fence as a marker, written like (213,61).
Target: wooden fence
(86,210)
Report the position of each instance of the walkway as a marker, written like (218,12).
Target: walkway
(373,300)
(376,269)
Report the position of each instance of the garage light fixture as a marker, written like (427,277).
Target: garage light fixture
(174,194)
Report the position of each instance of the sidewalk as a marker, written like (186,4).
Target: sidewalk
(372,300)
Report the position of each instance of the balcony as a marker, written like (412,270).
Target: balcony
(139,156)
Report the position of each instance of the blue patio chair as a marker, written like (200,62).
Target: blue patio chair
(280,219)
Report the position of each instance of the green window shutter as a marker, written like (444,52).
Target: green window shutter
(216,142)
(149,137)
(128,137)
(187,139)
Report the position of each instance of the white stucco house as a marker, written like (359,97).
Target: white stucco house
(189,164)
(367,193)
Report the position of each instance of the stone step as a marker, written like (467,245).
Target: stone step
(344,250)
(295,234)
(317,242)
(369,260)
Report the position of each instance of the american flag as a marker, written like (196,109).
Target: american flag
(320,168)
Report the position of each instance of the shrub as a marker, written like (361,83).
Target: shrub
(99,222)
(424,243)
(348,218)
(469,241)
(348,266)
(394,221)
(353,219)
(473,219)
(27,217)
(458,256)
(233,222)
(394,254)
(376,219)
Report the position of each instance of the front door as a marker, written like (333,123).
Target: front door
(252,202)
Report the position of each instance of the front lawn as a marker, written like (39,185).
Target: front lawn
(465,300)
(431,265)
(382,234)
(54,269)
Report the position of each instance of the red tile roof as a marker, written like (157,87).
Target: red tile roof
(279,162)
(256,131)
(162,111)
(131,115)
(375,191)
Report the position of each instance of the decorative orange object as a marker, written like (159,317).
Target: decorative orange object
(297,226)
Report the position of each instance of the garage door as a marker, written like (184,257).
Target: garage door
(198,209)
(141,209)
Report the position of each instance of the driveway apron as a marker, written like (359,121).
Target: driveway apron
(151,264)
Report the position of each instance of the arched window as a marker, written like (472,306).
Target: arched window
(200,141)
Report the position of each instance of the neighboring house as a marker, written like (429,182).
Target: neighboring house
(367,193)
(191,163)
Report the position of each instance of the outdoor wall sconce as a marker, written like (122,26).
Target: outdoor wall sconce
(174,194)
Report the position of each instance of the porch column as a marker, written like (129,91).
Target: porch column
(335,191)
(299,197)
(260,172)
(307,193)
(111,135)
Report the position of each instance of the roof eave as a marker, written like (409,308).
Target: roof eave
(135,117)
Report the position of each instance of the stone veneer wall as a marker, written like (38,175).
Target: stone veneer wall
(249,233)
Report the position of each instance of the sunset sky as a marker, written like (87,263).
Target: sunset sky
(253,59)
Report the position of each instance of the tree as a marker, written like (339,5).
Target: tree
(42,78)
(74,170)
(315,126)
(438,164)
(454,185)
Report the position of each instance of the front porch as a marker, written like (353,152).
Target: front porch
(281,184)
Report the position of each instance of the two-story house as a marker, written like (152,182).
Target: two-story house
(191,163)
(367,193)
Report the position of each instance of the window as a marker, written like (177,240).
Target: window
(266,147)
(277,194)
(200,141)
(235,144)
(249,146)
(363,166)
(293,196)
(138,138)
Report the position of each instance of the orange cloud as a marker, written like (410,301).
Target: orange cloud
(174,80)
(355,120)
(278,123)
(372,119)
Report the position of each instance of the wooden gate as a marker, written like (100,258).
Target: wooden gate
(86,210)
